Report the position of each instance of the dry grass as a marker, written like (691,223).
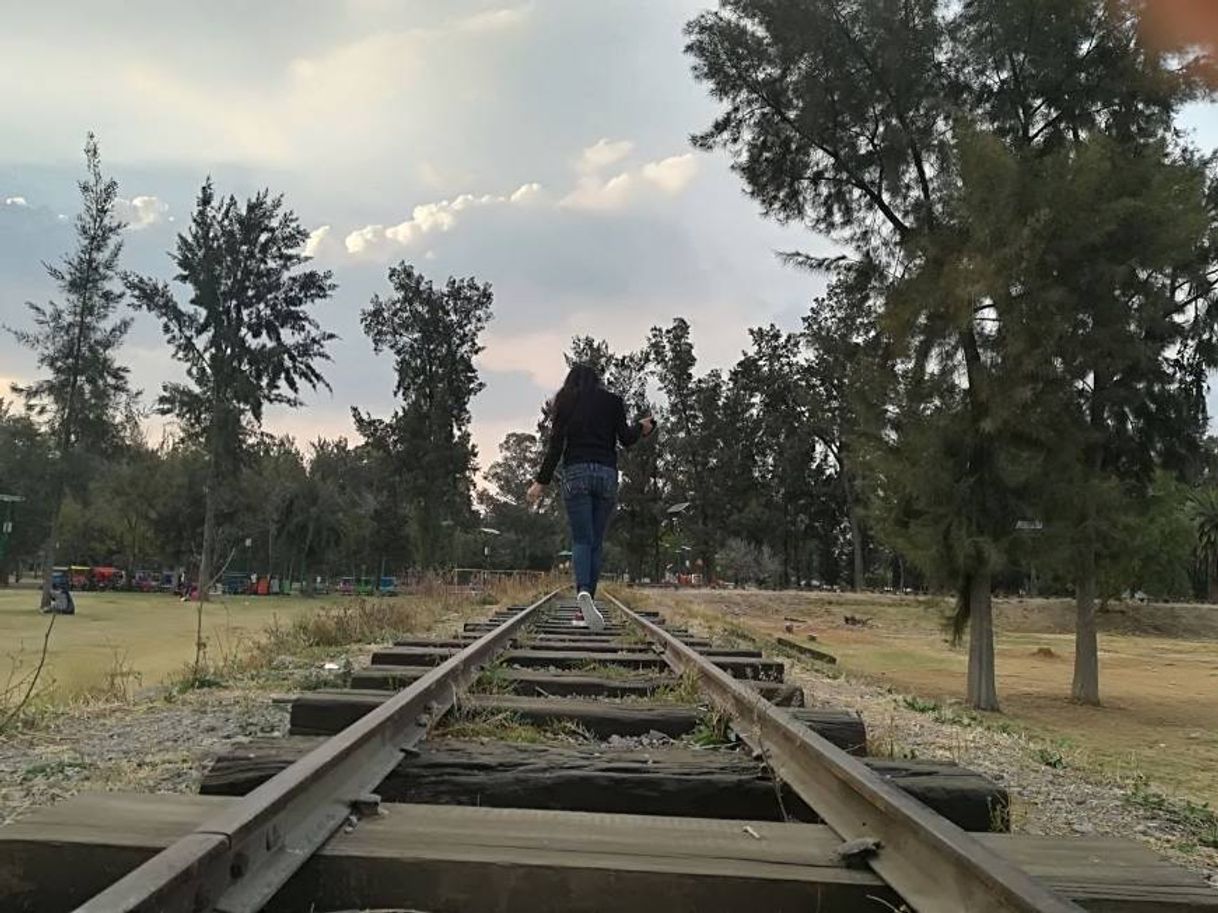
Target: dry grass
(507,726)
(1160,692)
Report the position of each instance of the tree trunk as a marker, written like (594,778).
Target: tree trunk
(1086,687)
(209,534)
(306,585)
(48,553)
(856,528)
(205,557)
(982,690)
(856,539)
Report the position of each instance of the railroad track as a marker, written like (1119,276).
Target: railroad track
(527,763)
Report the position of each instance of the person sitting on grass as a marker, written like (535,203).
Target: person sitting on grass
(587,422)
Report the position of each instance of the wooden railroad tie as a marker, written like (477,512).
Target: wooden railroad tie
(585,777)
(567,684)
(442,858)
(326,712)
(740,667)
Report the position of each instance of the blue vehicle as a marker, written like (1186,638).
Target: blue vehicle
(236,583)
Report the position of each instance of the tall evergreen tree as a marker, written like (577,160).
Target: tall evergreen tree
(772,374)
(1110,257)
(246,335)
(85,400)
(874,123)
(844,379)
(838,115)
(692,417)
(434,337)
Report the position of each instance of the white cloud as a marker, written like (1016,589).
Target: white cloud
(490,20)
(430,218)
(673,174)
(669,176)
(317,238)
(594,194)
(141,211)
(604,153)
(16,201)
(525,193)
(364,238)
(537,354)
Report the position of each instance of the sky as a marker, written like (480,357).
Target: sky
(541,146)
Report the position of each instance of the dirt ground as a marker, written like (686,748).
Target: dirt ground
(1159,675)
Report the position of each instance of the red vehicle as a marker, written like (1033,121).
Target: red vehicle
(108,578)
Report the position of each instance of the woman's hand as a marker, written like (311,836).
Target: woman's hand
(536,490)
(649,425)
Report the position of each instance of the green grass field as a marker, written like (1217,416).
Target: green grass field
(149,633)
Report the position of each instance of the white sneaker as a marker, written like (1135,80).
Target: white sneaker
(592,616)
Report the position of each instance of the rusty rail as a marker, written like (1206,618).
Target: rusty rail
(236,861)
(933,864)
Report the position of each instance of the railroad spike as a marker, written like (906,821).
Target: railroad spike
(854,854)
(367,806)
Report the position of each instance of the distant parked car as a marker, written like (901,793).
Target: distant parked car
(143,581)
(387,586)
(346,586)
(107,578)
(236,584)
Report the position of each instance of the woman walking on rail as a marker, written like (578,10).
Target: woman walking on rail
(587,422)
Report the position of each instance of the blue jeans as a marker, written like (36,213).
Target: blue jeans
(589,491)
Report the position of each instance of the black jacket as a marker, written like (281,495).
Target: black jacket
(589,434)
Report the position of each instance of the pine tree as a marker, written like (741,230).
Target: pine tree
(245,336)
(85,400)
(902,130)
(434,337)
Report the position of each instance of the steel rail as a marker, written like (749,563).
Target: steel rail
(934,865)
(236,861)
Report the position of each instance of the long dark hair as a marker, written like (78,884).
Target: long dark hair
(581,379)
